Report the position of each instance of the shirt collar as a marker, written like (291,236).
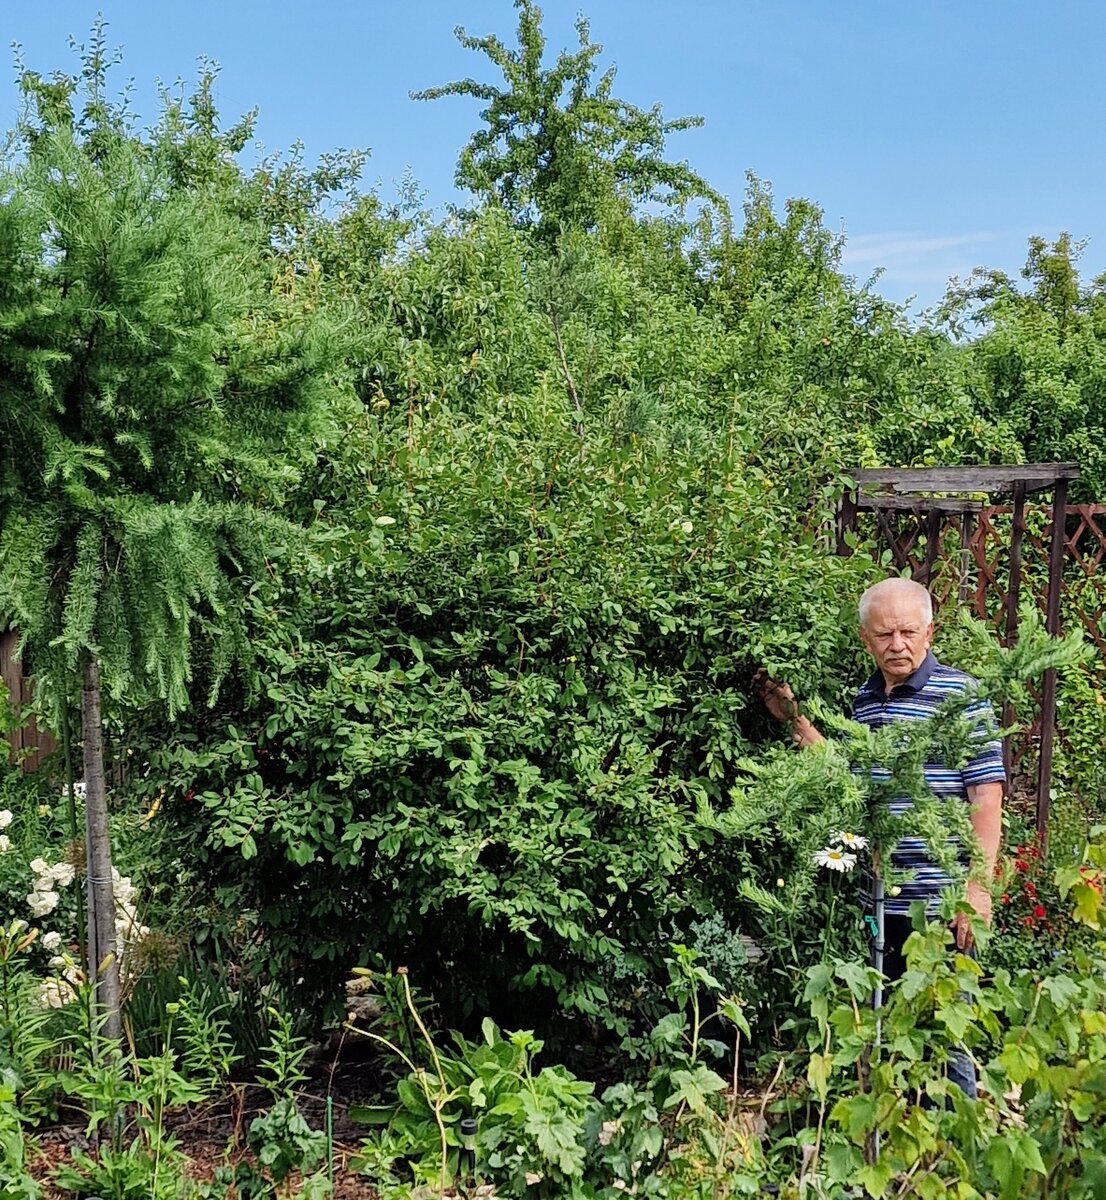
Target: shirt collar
(878,685)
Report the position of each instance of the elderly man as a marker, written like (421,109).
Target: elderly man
(909,684)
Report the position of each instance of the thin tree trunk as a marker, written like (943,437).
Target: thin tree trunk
(103,962)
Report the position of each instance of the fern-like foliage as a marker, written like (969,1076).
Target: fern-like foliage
(158,395)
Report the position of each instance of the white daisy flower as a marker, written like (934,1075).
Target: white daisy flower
(852,841)
(833,858)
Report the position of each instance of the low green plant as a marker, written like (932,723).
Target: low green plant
(888,1119)
(16,1182)
(126,1101)
(543,1133)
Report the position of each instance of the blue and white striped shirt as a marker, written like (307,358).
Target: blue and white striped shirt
(916,699)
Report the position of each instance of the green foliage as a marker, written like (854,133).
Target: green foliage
(15,1180)
(1036,1129)
(543,1133)
(1037,366)
(156,386)
(559,150)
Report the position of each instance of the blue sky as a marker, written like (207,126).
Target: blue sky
(936,135)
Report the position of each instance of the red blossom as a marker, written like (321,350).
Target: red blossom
(1031,889)
(1028,921)
(1039,911)
(1006,897)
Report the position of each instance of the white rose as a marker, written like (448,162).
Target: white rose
(39,866)
(5,818)
(62,873)
(5,843)
(53,995)
(51,940)
(58,961)
(42,903)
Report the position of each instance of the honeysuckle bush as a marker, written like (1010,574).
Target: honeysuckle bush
(487,720)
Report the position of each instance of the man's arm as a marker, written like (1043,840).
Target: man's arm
(986,817)
(780,701)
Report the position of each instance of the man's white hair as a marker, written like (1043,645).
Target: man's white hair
(904,588)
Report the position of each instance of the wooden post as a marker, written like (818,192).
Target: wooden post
(846,520)
(964,591)
(1048,695)
(933,544)
(1013,595)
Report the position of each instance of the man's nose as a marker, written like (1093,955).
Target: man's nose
(898,642)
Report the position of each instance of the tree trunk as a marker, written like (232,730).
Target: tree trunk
(103,960)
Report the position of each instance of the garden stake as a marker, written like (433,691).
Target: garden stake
(878,903)
(330,1140)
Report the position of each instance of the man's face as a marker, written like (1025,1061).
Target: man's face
(897,636)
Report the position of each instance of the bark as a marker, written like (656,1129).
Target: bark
(103,961)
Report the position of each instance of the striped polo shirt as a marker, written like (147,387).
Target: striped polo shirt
(915,699)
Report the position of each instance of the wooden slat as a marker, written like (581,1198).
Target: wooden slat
(941,504)
(919,480)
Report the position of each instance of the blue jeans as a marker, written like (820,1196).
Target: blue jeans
(896,929)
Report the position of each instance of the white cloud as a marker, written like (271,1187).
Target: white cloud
(913,263)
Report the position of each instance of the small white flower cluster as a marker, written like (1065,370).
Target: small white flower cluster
(6,818)
(840,854)
(127,928)
(44,899)
(61,989)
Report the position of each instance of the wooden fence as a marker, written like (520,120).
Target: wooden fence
(27,743)
(971,561)
(965,558)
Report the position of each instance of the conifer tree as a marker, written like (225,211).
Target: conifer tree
(156,393)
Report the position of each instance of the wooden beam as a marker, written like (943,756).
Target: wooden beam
(918,504)
(1037,477)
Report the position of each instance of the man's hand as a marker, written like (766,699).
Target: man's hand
(778,697)
(979,897)
(780,701)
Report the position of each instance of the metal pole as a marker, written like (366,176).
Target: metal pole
(879,949)
(1048,694)
(1013,595)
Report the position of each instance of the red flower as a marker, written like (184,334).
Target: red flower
(1039,910)
(1031,889)
(189,796)
(1020,865)
(1028,921)
(1006,897)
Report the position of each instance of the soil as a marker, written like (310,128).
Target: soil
(213,1134)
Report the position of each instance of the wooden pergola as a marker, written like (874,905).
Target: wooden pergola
(933,494)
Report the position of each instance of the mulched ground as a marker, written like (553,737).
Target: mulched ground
(214,1134)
